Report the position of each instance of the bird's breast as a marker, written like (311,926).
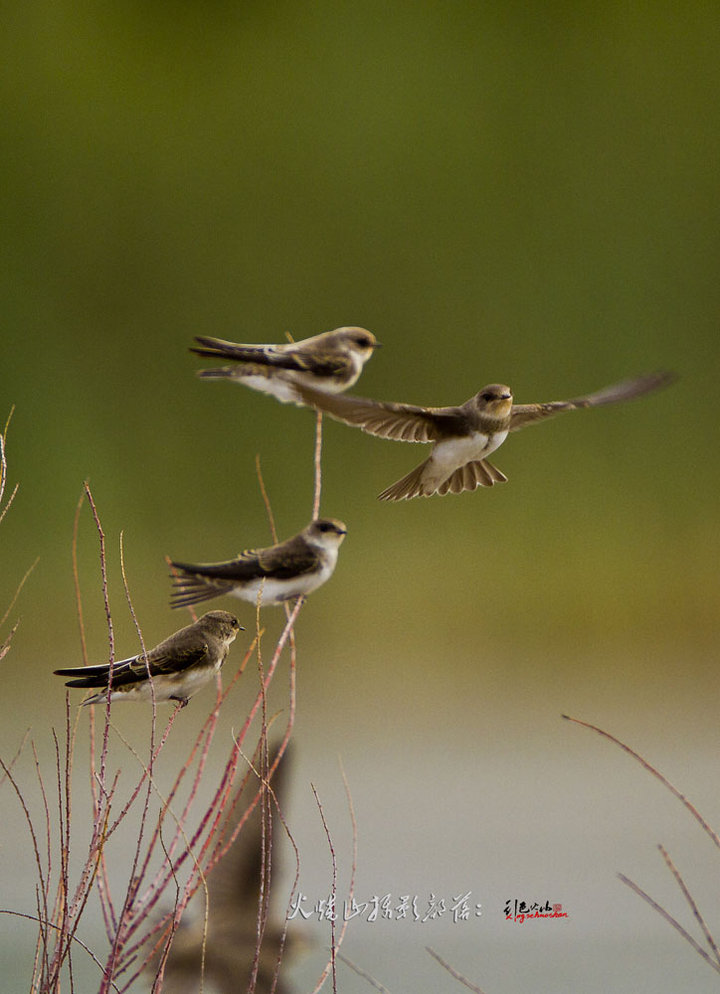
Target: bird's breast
(457,451)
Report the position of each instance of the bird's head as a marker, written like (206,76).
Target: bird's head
(327,532)
(358,340)
(495,400)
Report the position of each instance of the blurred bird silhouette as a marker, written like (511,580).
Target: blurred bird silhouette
(223,957)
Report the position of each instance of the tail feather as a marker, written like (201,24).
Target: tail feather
(221,373)
(479,473)
(410,486)
(497,475)
(193,590)
(100,670)
(216,348)
(97,680)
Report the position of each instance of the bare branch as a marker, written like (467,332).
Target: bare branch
(333,893)
(671,921)
(318,465)
(691,902)
(453,973)
(362,973)
(659,776)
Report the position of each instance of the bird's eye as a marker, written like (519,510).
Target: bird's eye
(364,341)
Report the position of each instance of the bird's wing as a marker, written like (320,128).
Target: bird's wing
(319,361)
(126,672)
(245,567)
(97,676)
(525,414)
(401,422)
(277,562)
(288,559)
(162,661)
(322,362)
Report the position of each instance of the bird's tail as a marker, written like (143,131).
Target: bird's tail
(192,589)
(480,473)
(219,373)
(216,348)
(410,486)
(86,676)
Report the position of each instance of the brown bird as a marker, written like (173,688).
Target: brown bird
(173,671)
(462,436)
(330,362)
(277,573)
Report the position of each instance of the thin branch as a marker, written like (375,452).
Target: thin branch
(16,595)
(49,924)
(353,872)
(3,467)
(333,892)
(453,973)
(691,902)
(265,499)
(651,769)
(361,973)
(18,752)
(671,921)
(317,463)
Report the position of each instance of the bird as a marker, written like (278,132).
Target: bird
(330,362)
(221,952)
(275,574)
(464,436)
(173,671)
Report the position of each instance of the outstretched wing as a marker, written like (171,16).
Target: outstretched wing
(400,422)
(525,414)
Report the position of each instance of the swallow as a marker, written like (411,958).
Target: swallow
(330,362)
(278,573)
(463,437)
(173,671)
(222,952)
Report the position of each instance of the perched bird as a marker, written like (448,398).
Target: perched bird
(463,436)
(290,569)
(173,671)
(221,953)
(330,362)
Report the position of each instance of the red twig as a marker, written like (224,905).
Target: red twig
(656,773)
(333,895)
(691,903)
(454,973)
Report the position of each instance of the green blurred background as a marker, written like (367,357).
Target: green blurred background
(500,193)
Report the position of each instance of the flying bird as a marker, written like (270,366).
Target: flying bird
(173,671)
(463,437)
(330,362)
(278,573)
